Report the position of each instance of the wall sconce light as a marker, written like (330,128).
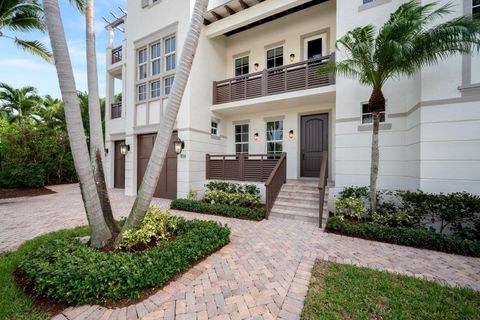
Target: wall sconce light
(255,136)
(290,134)
(124,148)
(256,65)
(292,57)
(179,146)
(106,151)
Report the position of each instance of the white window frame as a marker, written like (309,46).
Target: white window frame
(170,86)
(322,36)
(214,128)
(157,92)
(475,6)
(275,141)
(157,59)
(274,56)
(142,95)
(241,143)
(141,64)
(384,112)
(242,65)
(170,53)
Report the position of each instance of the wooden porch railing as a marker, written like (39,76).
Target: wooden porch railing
(322,184)
(292,77)
(274,184)
(116,110)
(117,54)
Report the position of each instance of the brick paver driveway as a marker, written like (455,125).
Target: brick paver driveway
(262,274)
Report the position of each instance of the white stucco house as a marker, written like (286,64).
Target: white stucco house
(254,95)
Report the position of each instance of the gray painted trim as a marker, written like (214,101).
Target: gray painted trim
(398,115)
(241,54)
(469,90)
(116,136)
(277,118)
(369,127)
(240,122)
(215,137)
(149,128)
(200,131)
(354,119)
(217,120)
(275,45)
(373,4)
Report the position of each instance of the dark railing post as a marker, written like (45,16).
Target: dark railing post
(229,91)
(241,167)
(322,184)
(245,89)
(214,99)
(207,166)
(306,74)
(264,82)
(332,75)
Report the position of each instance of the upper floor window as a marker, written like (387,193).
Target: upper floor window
(142,63)
(275,137)
(241,138)
(367,116)
(168,84)
(214,128)
(155,91)
(155,56)
(275,57)
(142,92)
(476,6)
(241,66)
(170,50)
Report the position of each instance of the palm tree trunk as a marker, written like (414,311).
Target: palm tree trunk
(100,232)
(155,164)
(97,147)
(375,105)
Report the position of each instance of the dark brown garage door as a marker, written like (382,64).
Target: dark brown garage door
(119,167)
(167,184)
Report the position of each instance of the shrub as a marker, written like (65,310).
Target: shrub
(244,200)
(218,209)
(351,207)
(66,270)
(158,225)
(420,238)
(230,187)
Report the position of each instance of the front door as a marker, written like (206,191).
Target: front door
(314,140)
(119,167)
(167,183)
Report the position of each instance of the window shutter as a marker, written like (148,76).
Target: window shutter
(144,3)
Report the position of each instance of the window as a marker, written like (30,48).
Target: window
(275,137)
(475,6)
(241,66)
(142,63)
(142,92)
(314,47)
(155,89)
(170,48)
(367,116)
(214,128)
(275,57)
(168,85)
(241,138)
(367,1)
(155,58)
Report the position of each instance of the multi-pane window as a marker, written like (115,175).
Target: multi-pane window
(241,66)
(155,56)
(142,63)
(476,6)
(367,116)
(275,137)
(241,138)
(170,50)
(275,57)
(142,92)
(214,128)
(155,91)
(168,85)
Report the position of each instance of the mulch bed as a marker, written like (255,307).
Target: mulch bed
(28,192)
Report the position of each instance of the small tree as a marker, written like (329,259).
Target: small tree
(406,43)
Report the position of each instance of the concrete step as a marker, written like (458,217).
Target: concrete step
(299,199)
(299,188)
(295,205)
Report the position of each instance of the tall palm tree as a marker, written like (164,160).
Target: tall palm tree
(97,147)
(23,16)
(18,103)
(100,231)
(52,113)
(155,164)
(407,42)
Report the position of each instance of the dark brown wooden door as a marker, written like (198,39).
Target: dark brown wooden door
(119,167)
(167,184)
(314,140)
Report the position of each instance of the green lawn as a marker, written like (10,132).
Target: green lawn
(348,292)
(14,304)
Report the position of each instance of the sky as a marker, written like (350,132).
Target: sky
(19,68)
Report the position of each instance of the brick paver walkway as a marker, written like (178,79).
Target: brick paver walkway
(262,274)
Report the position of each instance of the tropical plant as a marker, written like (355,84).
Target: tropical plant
(409,40)
(23,16)
(18,104)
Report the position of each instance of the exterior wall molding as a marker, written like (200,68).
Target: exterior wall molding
(241,54)
(202,132)
(277,118)
(373,4)
(369,127)
(238,122)
(117,136)
(274,45)
(353,119)
(469,90)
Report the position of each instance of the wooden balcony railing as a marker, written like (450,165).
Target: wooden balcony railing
(322,184)
(117,54)
(241,167)
(291,77)
(274,184)
(116,110)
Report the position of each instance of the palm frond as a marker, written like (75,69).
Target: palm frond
(35,47)
(79,4)
(25,21)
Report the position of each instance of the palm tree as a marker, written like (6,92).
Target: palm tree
(100,231)
(18,103)
(407,42)
(97,156)
(23,16)
(155,164)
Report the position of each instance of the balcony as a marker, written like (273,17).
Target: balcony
(117,54)
(287,78)
(116,110)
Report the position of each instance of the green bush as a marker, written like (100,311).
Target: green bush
(244,200)
(415,237)
(218,209)
(230,187)
(67,270)
(350,207)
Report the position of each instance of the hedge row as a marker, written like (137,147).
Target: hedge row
(218,209)
(66,270)
(420,238)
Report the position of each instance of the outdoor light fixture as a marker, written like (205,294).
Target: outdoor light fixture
(179,146)
(292,57)
(255,136)
(290,134)
(124,148)
(106,151)
(256,65)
